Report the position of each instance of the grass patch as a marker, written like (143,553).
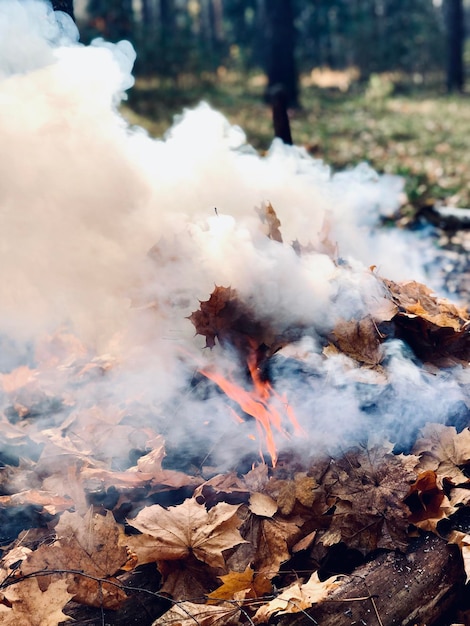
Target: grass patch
(418,135)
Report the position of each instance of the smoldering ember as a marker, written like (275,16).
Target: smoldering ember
(228,394)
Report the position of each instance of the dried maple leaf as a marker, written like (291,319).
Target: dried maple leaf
(269,543)
(89,545)
(463,541)
(367,486)
(296,598)
(436,329)
(240,586)
(187,529)
(32,607)
(443,450)
(359,339)
(302,490)
(270,221)
(425,499)
(189,614)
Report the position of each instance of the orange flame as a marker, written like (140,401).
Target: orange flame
(262,403)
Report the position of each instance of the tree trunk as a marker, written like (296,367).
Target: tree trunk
(455,43)
(280,50)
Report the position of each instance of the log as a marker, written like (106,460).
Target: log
(419,587)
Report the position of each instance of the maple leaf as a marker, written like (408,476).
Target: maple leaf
(463,542)
(425,499)
(436,329)
(188,528)
(32,607)
(367,486)
(302,489)
(269,542)
(90,545)
(241,585)
(359,339)
(189,614)
(296,598)
(443,450)
(270,221)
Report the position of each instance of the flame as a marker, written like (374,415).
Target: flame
(263,403)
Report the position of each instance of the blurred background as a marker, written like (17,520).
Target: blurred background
(375,80)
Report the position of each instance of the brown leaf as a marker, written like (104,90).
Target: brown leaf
(435,328)
(190,529)
(297,598)
(241,585)
(360,340)
(425,498)
(90,545)
(32,607)
(368,486)
(189,614)
(270,221)
(443,450)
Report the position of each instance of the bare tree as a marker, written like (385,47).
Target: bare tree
(280,50)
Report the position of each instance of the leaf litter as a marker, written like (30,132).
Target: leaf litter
(226,538)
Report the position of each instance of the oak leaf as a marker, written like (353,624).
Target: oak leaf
(297,598)
(188,529)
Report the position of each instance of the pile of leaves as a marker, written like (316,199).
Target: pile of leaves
(235,547)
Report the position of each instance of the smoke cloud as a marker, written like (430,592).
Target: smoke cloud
(116,237)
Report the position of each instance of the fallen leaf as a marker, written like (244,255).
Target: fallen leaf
(190,529)
(367,487)
(189,614)
(262,505)
(32,607)
(239,585)
(424,499)
(360,340)
(297,598)
(90,545)
(443,450)
(270,221)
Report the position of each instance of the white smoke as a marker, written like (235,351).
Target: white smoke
(84,198)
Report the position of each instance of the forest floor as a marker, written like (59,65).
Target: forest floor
(415,132)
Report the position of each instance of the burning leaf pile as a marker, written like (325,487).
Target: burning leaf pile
(228,462)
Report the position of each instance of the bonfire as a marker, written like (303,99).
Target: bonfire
(229,396)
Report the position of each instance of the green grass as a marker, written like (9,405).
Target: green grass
(423,136)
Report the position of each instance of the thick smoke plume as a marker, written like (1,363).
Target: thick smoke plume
(116,237)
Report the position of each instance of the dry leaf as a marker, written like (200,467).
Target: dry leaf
(368,486)
(360,340)
(189,614)
(297,598)
(90,545)
(270,221)
(190,529)
(463,541)
(241,585)
(443,450)
(262,505)
(425,498)
(32,607)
